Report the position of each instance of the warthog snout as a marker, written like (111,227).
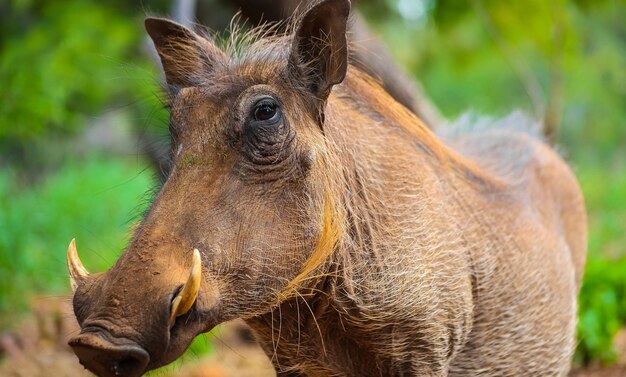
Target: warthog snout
(125,335)
(117,357)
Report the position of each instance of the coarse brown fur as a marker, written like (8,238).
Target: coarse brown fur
(349,236)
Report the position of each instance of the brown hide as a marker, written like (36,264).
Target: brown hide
(350,237)
(454,265)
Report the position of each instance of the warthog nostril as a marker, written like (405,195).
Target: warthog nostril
(107,358)
(125,367)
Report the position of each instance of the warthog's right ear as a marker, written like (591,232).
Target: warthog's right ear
(319,51)
(187,58)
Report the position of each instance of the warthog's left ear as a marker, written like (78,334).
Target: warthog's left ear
(319,51)
(187,58)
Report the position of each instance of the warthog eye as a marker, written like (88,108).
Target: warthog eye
(267,135)
(266,111)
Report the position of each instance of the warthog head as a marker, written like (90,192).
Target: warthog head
(246,214)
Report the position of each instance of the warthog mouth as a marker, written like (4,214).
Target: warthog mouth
(109,357)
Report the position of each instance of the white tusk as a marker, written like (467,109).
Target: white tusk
(188,294)
(78,272)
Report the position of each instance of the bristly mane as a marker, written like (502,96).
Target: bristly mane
(264,49)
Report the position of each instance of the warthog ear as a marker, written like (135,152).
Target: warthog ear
(319,51)
(186,57)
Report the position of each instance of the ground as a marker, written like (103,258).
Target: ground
(38,348)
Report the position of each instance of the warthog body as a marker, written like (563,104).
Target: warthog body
(348,236)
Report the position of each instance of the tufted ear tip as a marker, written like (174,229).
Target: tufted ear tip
(161,29)
(150,22)
(186,56)
(319,52)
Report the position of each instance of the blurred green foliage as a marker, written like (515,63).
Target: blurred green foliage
(61,67)
(95,201)
(63,63)
(455,53)
(602,304)
(602,309)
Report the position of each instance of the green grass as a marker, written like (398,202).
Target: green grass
(94,201)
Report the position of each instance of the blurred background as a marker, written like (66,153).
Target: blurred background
(83,123)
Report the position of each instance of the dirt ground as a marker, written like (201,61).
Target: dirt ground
(38,348)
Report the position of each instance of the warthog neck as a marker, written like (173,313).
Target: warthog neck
(401,193)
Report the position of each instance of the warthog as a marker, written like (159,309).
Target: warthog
(352,240)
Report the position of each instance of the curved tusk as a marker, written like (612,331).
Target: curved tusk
(188,294)
(78,272)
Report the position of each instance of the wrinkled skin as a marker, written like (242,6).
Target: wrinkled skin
(242,191)
(348,236)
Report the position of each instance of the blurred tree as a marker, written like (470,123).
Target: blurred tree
(60,63)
